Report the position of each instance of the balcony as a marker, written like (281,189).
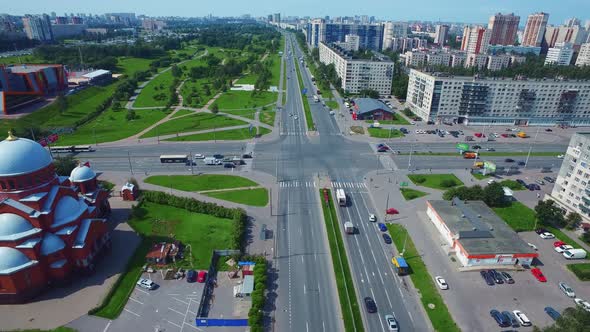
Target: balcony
(586,201)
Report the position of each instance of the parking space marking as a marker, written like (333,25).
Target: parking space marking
(196,328)
(131,312)
(132,299)
(141,290)
(173,323)
(176,311)
(107,327)
(181,301)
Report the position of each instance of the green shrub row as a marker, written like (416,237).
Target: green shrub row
(256,315)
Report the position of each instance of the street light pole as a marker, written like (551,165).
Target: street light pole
(526,162)
(129,158)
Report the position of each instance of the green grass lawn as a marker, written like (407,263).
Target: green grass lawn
(306,108)
(268,117)
(244,99)
(249,78)
(518,216)
(332,104)
(222,135)
(131,65)
(275,69)
(384,133)
(581,270)
(344,282)
(284,101)
(435,181)
(157,87)
(252,197)
(200,182)
(480,176)
(439,316)
(512,185)
(112,126)
(245,113)
(79,105)
(397,120)
(15,60)
(199,121)
(410,194)
(182,112)
(197,92)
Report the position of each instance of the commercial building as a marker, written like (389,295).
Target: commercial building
(560,55)
(370,35)
(441,33)
(393,30)
(476,235)
(51,227)
(571,191)
(38,27)
(359,74)
(475,40)
(534,29)
(371,109)
(498,101)
(276,18)
(503,29)
(584,55)
(21,85)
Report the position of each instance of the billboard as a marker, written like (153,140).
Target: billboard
(489,166)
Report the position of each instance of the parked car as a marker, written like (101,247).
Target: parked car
(539,181)
(547,236)
(201,276)
(558,243)
(441,282)
(552,313)
(146,283)
(541,230)
(499,318)
(191,276)
(372,217)
(538,274)
(521,163)
(386,238)
(549,179)
(382,227)
(391,323)
(511,318)
(567,290)
(563,248)
(522,318)
(507,277)
(584,304)
(488,279)
(370,305)
(534,247)
(229,165)
(497,276)
(199,156)
(476,147)
(218,156)
(560,156)
(490,149)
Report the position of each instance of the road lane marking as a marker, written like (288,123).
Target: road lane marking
(181,301)
(374,299)
(176,311)
(141,290)
(131,312)
(107,327)
(132,299)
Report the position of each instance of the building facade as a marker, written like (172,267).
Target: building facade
(51,227)
(534,29)
(571,191)
(560,55)
(475,40)
(503,29)
(393,30)
(441,34)
(498,101)
(584,55)
(370,36)
(358,74)
(38,27)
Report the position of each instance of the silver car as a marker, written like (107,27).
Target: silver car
(391,323)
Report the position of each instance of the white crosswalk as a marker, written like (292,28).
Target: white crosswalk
(350,185)
(313,184)
(293,133)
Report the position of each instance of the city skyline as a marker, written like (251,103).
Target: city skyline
(430,10)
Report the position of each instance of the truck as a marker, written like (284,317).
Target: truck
(400,265)
(470,155)
(211,161)
(316,98)
(341,197)
(574,254)
(348,227)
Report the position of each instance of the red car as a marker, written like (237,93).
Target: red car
(392,211)
(538,274)
(201,276)
(558,243)
(504,135)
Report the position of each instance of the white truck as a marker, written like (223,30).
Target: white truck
(341,197)
(211,161)
(574,254)
(348,227)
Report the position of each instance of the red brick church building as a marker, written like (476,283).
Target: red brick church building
(51,227)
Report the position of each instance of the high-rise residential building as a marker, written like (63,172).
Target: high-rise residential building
(575,35)
(571,191)
(475,40)
(319,30)
(584,55)
(393,30)
(276,18)
(38,27)
(441,34)
(560,55)
(498,101)
(358,74)
(535,29)
(503,28)
(572,22)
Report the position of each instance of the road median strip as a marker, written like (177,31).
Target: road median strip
(306,108)
(344,282)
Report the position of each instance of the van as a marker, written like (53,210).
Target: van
(211,161)
(574,254)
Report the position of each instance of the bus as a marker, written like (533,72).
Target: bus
(401,267)
(71,148)
(174,158)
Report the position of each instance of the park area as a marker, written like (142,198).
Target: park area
(196,122)
(232,100)
(384,133)
(435,181)
(410,194)
(222,135)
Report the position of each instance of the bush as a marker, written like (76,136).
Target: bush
(446,183)
(420,179)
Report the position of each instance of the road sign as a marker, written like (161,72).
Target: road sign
(403,184)
(462,146)
(304,90)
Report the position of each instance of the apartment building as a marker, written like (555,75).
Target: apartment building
(441,34)
(358,74)
(498,101)
(584,55)
(438,59)
(497,62)
(458,59)
(503,28)
(415,59)
(393,30)
(560,55)
(370,36)
(38,27)
(475,40)
(571,191)
(535,29)
(478,61)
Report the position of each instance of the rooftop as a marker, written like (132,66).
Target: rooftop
(478,229)
(96,73)
(364,105)
(28,68)
(350,55)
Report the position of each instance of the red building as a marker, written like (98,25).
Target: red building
(51,227)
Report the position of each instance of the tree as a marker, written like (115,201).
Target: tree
(176,71)
(214,108)
(130,115)
(549,214)
(573,319)
(64,165)
(493,195)
(116,105)
(572,220)
(369,93)
(61,103)
(399,85)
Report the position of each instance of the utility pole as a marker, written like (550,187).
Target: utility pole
(191,162)
(526,162)
(386,205)
(410,159)
(129,158)
(158,134)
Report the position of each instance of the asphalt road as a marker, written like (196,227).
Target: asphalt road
(420,162)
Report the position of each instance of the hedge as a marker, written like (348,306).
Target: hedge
(255,315)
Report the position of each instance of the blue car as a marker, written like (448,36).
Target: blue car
(499,318)
(552,313)
(382,227)
(487,277)
(511,318)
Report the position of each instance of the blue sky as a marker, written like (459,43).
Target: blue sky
(470,11)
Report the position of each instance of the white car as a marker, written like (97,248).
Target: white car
(533,246)
(372,217)
(332,113)
(547,236)
(391,323)
(522,318)
(296,117)
(199,156)
(146,283)
(563,248)
(440,281)
(418,131)
(584,304)
(567,290)
(560,156)
(490,181)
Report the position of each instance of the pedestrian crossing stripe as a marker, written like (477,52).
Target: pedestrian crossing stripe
(313,184)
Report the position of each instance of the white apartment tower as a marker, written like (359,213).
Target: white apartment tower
(560,55)
(535,29)
(584,55)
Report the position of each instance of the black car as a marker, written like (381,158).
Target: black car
(521,182)
(476,147)
(534,186)
(549,179)
(247,156)
(370,305)
(507,277)
(541,230)
(496,276)
(548,130)
(499,318)
(486,276)
(218,156)
(508,315)
(429,122)
(229,165)
(383,149)
(509,160)
(386,238)
(404,130)
(552,313)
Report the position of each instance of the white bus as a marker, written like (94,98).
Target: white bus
(341,197)
(174,158)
